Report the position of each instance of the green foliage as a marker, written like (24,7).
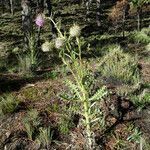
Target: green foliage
(65,124)
(53,75)
(80,86)
(72,9)
(97,117)
(31,121)
(99,94)
(138,3)
(8,104)
(135,136)
(128,90)
(148,47)
(27,59)
(142,36)
(124,90)
(33,53)
(120,143)
(41,135)
(28,129)
(119,66)
(141,100)
(45,137)
(31,93)
(24,64)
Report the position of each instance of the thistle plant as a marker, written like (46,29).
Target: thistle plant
(70,53)
(46,47)
(33,54)
(28,59)
(39,21)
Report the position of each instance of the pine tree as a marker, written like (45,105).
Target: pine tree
(138,4)
(118,14)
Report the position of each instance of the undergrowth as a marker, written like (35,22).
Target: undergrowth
(8,104)
(120,67)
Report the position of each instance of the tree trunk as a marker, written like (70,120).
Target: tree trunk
(49,7)
(3,6)
(139,11)
(123,24)
(138,21)
(98,13)
(26,20)
(88,3)
(40,6)
(11,7)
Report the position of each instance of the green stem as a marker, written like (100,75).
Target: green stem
(87,120)
(68,42)
(79,47)
(67,47)
(76,69)
(61,35)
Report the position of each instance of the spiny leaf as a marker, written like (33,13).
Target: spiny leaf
(95,120)
(67,97)
(74,88)
(99,94)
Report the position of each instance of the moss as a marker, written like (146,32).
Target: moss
(31,93)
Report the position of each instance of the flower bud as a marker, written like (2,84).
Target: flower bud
(46,47)
(59,42)
(39,20)
(15,50)
(75,31)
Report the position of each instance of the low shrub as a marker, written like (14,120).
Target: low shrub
(141,36)
(141,100)
(31,122)
(8,104)
(119,66)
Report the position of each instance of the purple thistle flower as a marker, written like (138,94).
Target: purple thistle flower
(39,20)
